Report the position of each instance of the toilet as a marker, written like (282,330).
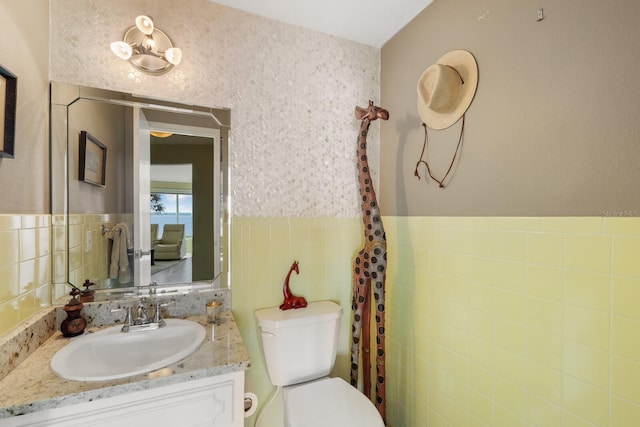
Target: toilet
(300,348)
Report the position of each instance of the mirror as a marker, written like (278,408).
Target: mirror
(139,192)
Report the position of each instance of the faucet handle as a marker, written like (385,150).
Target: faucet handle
(157,314)
(128,318)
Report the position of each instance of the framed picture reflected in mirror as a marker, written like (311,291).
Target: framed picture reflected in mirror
(92,160)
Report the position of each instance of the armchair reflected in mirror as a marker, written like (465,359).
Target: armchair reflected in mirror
(154,236)
(172,246)
(172,263)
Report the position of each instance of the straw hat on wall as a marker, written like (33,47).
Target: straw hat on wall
(446,89)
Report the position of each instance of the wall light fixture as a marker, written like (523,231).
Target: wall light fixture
(147,48)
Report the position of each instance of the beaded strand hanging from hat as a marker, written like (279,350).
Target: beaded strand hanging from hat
(445,91)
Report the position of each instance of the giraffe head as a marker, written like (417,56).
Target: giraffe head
(372,113)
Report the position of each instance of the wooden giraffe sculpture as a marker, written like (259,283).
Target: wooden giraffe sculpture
(369,270)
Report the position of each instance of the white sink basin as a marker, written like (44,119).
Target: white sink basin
(111,354)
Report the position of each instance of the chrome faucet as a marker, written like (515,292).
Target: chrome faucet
(142,318)
(138,319)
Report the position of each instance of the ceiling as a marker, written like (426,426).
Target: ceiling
(372,22)
(172,173)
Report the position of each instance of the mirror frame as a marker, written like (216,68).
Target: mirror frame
(63,96)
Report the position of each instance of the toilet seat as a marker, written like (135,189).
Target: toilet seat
(329,402)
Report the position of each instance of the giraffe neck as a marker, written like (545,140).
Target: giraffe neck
(373,229)
(286,290)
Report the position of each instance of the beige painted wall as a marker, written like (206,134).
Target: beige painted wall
(553,129)
(106,123)
(24,51)
(25,231)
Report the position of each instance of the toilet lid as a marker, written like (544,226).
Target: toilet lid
(330,402)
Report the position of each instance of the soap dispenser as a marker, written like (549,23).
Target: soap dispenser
(74,324)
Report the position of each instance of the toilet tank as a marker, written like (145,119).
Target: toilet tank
(299,345)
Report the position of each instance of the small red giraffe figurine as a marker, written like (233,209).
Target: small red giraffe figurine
(290,300)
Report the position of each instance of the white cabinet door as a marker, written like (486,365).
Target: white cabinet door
(212,402)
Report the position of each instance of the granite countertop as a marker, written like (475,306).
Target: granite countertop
(32,386)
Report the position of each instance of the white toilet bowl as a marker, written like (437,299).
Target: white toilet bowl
(328,402)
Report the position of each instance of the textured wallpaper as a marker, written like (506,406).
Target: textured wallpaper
(291,91)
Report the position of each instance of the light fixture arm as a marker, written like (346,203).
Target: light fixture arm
(142,50)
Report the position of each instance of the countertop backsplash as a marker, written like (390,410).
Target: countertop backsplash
(177,305)
(17,345)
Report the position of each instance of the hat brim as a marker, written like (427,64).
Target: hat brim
(465,64)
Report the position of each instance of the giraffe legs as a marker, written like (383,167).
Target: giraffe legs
(360,295)
(379,282)
(378,276)
(369,278)
(366,342)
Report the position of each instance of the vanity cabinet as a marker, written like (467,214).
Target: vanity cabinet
(214,402)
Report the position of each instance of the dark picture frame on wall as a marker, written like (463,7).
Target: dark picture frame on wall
(8,94)
(92,160)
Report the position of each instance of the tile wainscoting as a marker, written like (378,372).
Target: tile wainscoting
(491,321)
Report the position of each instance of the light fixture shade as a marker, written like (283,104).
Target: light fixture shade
(173,55)
(145,24)
(122,50)
(160,134)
